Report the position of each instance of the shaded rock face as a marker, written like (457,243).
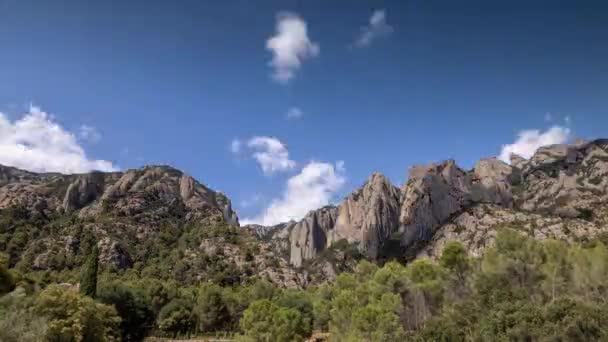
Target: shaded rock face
(83,190)
(310,236)
(431,196)
(369,215)
(492,181)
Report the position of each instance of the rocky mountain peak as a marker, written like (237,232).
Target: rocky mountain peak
(561,180)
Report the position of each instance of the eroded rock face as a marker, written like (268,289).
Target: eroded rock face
(369,215)
(492,180)
(431,196)
(566,180)
(310,236)
(83,190)
(117,209)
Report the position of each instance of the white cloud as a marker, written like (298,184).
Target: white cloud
(290,46)
(528,141)
(377,27)
(235,146)
(37,143)
(271,154)
(294,113)
(312,188)
(89,133)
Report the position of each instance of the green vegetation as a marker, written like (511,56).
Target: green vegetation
(521,289)
(88,280)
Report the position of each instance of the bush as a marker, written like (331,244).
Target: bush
(73,317)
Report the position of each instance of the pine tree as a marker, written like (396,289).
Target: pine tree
(88,278)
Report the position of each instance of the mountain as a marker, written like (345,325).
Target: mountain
(561,192)
(158,222)
(155,221)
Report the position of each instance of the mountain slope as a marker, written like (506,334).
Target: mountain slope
(155,221)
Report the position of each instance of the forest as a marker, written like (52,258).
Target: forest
(520,289)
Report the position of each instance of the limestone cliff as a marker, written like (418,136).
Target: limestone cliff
(560,192)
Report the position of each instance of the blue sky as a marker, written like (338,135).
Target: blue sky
(177,82)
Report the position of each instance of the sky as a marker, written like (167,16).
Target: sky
(289,105)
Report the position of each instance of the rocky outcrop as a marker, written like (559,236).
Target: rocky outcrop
(369,215)
(566,182)
(476,228)
(113,253)
(431,196)
(311,235)
(82,191)
(492,182)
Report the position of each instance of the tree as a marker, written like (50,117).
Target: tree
(132,307)
(176,318)
(211,309)
(7,280)
(88,279)
(454,258)
(73,317)
(265,321)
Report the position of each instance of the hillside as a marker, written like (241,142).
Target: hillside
(155,221)
(161,223)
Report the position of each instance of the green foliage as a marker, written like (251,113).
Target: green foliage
(176,318)
(267,321)
(73,317)
(18,320)
(88,280)
(211,309)
(132,307)
(7,279)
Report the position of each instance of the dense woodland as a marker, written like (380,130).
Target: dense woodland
(519,290)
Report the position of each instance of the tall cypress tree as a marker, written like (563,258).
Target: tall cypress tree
(88,278)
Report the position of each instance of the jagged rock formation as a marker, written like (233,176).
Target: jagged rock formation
(432,194)
(118,210)
(311,235)
(129,193)
(367,217)
(560,192)
(566,180)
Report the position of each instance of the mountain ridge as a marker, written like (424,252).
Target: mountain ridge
(159,221)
